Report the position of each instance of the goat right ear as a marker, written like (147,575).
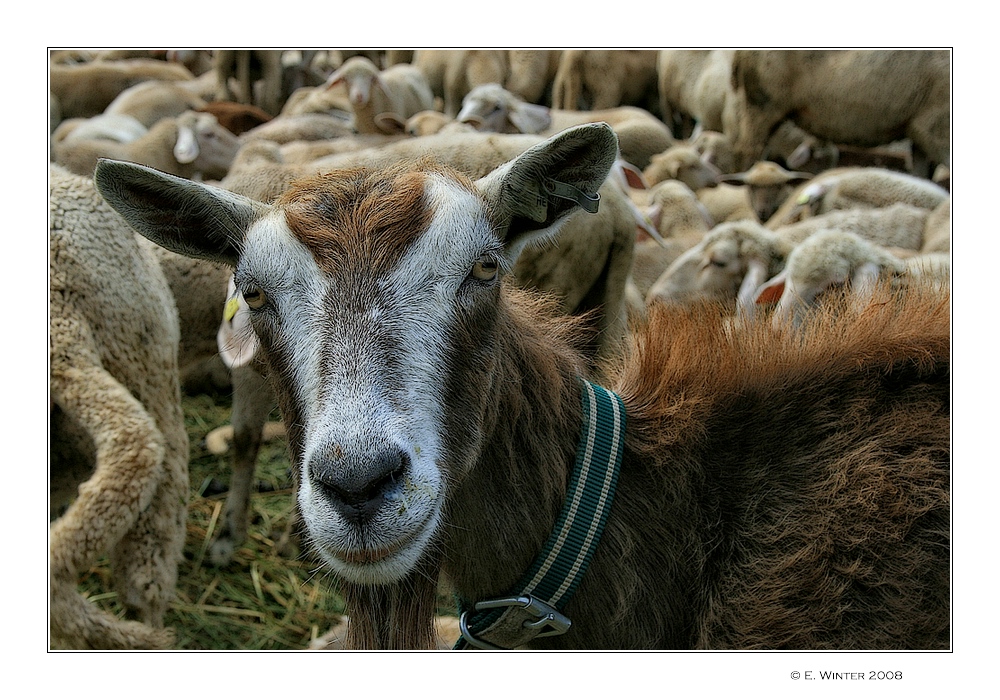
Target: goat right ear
(530,196)
(186,217)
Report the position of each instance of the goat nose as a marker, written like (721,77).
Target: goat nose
(358,485)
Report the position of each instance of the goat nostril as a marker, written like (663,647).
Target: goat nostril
(357,486)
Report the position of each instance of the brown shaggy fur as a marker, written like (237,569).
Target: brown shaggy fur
(779,491)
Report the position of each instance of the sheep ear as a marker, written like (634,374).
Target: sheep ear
(390,123)
(530,196)
(530,118)
(186,148)
(183,216)
(770,292)
(864,281)
(756,276)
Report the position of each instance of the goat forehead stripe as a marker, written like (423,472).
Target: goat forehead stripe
(361,216)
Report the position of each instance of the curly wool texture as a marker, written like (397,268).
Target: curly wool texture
(113,352)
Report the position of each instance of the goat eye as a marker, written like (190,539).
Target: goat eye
(485,269)
(255,297)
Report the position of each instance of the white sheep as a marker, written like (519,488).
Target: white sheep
(898,225)
(937,232)
(382,101)
(729,264)
(152,100)
(120,128)
(490,107)
(192,145)
(692,87)
(682,222)
(768,186)
(530,73)
(593,80)
(727,202)
(683,163)
(832,258)
(85,90)
(308,126)
(452,73)
(114,379)
(863,98)
(855,187)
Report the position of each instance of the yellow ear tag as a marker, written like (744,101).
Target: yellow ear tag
(232,306)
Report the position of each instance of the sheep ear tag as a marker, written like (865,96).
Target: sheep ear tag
(587,202)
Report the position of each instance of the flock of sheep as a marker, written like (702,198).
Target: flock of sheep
(743,177)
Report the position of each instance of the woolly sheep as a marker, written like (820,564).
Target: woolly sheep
(863,98)
(113,374)
(604,79)
(490,107)
(832,258)
(153,100)
(896,226)
(848,188)
(192,145)
(86,90)
(730,263)
(382,101)
(451,74)
(530,74)
(322,99)
(683,163)
(692,88)
(937,231)
(682,223)
(768,186)
(308,126)
(120,128)
(726,202)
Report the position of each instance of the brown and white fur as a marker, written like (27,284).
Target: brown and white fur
(775,492)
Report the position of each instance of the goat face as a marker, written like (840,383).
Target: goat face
(376,300)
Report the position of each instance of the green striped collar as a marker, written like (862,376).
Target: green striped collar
(534,609)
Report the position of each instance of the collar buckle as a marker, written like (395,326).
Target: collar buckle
(548,621)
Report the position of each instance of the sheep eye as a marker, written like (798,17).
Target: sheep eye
(485,269)
(254,297)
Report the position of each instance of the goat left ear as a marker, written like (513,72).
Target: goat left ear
(186,217)
(531,195)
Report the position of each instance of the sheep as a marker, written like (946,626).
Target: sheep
(530,74)
(120,128)
(726,202)
(321,99)
(153,100)
(692,88)
(597,80)
(682,163)
(863,98)
(937,230)
(897,226)
(490,107)
(682,223)
(800,151)
(826,526)
(190,145)
(715,149)
(848,188)
(247,68)
(728,265)
(430,121)
(382,101)
(86,90)
(832,258)
(451,74)
(768,186)
(300,127)
(113,384)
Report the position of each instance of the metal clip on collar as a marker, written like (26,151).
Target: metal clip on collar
(564,190)
(548,617)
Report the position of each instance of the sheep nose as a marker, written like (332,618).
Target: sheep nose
(357,486)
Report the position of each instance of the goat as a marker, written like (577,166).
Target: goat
(775,490)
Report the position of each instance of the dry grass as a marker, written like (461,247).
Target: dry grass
(259,601)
